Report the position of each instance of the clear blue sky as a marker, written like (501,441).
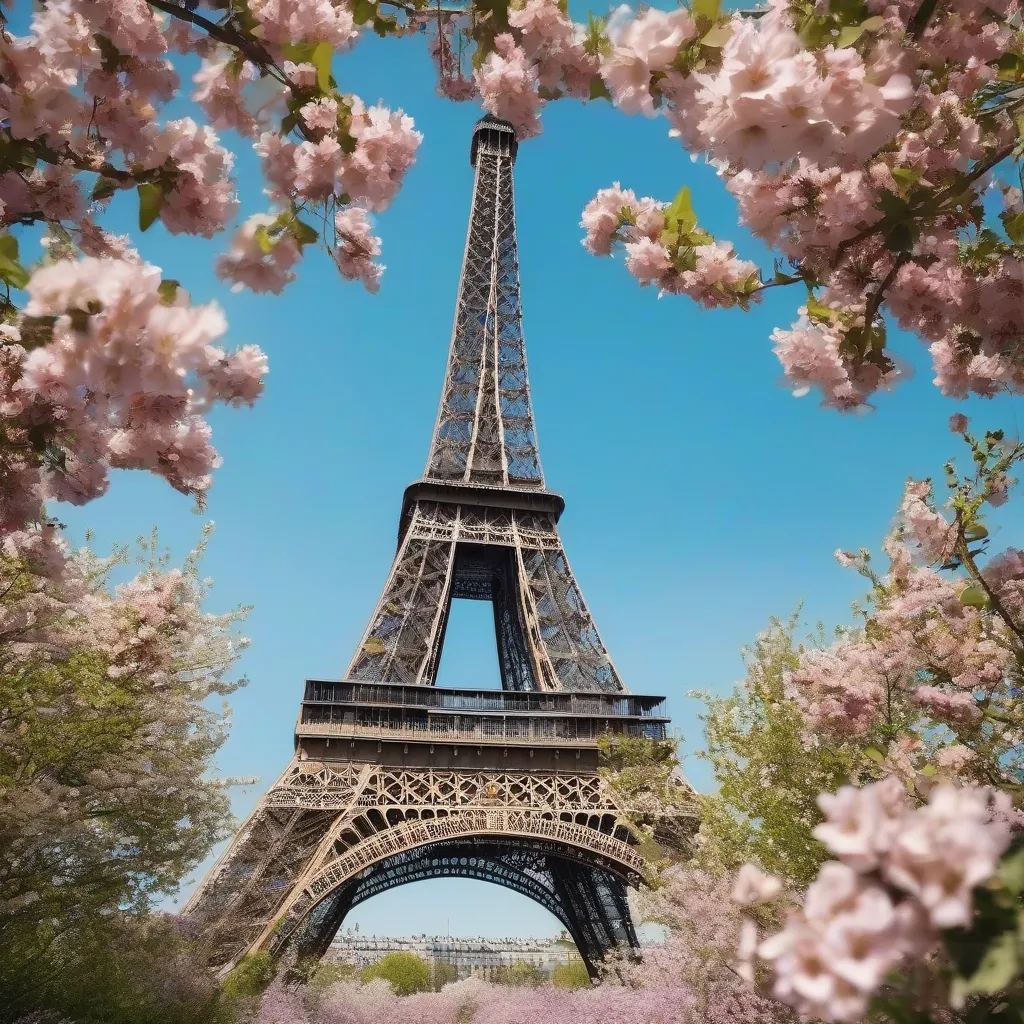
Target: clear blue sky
(702,498)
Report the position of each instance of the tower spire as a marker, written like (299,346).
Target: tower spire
(485,432)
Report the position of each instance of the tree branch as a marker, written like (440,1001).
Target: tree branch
(229,36)
(936,201)
(875,299)
(962,549)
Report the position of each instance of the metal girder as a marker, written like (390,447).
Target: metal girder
(589,901)
(546,636)
(485,430)
(314,843)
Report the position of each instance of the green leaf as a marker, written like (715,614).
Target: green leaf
(709,9)
(384,26)
(598,90)
(848,36)
(817,310)
(167,290)
(921,17)
(699,238)
(1011,67)
(288,122)
(685,259)
(973,596)
(303,233)
(893,206)
(680,214)
(875,754)
(813,31)
(103,189)
(320,58)
(1011,871)
(717,37)
(975,532)
(1014,226)
(264,239)
(781,278)
(9,247)
(151,199)
(873,24)
(299,53)
(901,238)
(37,330)
(906,177)
(235,65)
(847,12)
(11,269)
(363,11)
(997,969)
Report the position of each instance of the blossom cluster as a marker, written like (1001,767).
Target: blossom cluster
(903,875)
(81,94)
(668,1000)
(127,368)
(687,261)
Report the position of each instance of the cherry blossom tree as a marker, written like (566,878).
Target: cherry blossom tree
(107,739)
(920,911)
(929,681)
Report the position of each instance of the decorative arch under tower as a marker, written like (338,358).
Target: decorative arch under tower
(396,779)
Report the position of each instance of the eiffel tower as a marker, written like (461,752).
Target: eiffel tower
(396,779)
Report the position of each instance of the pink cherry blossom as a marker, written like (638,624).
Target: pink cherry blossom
(837,949)
(945,850)
(861,824)
(811,356)
(386,145)
(248,264)
(219,91)
(357,247)
(931,533)
(299,21)
(604,215)
(645,45)
(121,387)
(508,86)
(754,886)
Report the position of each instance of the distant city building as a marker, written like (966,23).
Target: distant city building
(477,956)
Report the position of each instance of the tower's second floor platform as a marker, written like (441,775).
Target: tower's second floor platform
(356,720)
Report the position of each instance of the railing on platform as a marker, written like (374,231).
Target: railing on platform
(392,694)
(522,731)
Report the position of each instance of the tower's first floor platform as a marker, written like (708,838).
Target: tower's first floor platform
(396,724)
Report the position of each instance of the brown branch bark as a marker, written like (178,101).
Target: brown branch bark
(229,36)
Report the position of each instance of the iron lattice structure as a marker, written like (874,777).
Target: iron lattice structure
(396,779)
